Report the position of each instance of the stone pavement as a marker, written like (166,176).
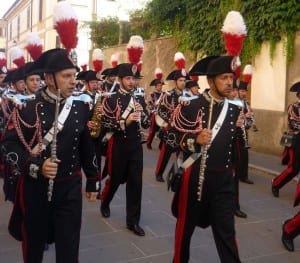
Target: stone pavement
(108,240)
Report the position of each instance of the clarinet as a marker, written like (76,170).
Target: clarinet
(244,133)
(54,144)
(204,150)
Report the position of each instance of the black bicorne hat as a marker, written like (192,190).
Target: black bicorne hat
(87,75)
(54,60)
(29,70)
(11,76)
(200,68)
(222,65)
(125,70)
(191,83)
(295,87)
(243,85)
(178,73)
(155,82)
(108,72)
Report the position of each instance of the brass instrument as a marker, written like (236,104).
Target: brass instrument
(96,119)
(204,150)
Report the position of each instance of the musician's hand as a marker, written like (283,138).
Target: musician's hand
(134,116)
(138,107)
(49,168)
(239,123)
(91,196)
(204,137)
(91,125)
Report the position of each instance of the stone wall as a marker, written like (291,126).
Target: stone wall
(270,85)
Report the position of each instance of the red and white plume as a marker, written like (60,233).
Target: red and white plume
(34,45)
(179,60)
(17,56)
(83,66)
(158,73)
(135,48)
(114,60)
(3,60)
(97,59)
(247,73)
(234,31)
(65,22)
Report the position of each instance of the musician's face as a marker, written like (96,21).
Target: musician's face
(65,80)
(20,86)
(242,94)
(158,87)
(180,83)
(92,86)
(127,82)
(233,94)
(221,85)
(32,83)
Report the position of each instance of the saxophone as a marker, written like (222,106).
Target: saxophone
(96,119)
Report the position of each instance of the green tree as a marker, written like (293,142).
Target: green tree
(105,32)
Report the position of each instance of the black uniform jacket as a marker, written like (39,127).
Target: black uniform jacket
(220,151)
(113,119)
(74,145)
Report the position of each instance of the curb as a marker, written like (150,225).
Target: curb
(261,169)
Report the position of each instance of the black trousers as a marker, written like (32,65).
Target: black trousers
(125,165)
(241,159)
(216,208)
(42,222)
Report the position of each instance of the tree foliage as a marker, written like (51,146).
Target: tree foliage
(104,33)
(196,24)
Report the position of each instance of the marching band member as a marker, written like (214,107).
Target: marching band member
(152,104)
(241,168)
(205,196)
(43,212)
(168,103)
(291,155)
(122,116)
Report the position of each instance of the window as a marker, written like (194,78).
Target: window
(41,11)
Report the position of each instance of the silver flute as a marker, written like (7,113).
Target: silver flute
(54,144)
(204,150)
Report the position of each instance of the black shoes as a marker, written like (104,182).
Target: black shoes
(240,213)
(159,178)
(246,181)
(105,211)
(287,241)
(136,229)
(275,191)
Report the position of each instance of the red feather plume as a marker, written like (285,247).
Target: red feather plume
(65,23)
(234,32)
(135,48)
